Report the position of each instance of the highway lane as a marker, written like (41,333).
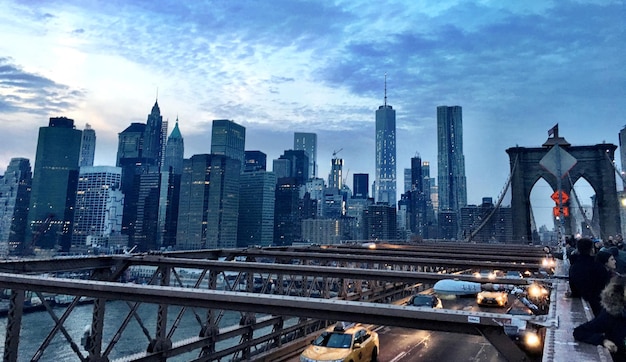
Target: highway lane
(410,345)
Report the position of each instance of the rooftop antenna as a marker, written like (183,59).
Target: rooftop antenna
(157,93)
(385,90)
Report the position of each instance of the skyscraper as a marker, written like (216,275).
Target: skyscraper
(54,185)
(288,211)
(307,142)
(135,166)
(99,206)
(450,160)
(87,146)
(175,151)
(360,183)
(154,138)
(209,203)
(256,208)
(15,189)
(255,161)
(297,165)
(229,139)
(385,183)
(170,192)
(380,222)
(335,177)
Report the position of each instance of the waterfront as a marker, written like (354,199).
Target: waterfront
(133,339)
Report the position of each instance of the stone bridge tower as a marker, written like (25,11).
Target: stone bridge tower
(593,163)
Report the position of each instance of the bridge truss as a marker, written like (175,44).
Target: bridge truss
(288,293)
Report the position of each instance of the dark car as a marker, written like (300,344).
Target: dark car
(522,333)
(425,300)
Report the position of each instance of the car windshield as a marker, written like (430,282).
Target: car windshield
(422,300)
(333,340)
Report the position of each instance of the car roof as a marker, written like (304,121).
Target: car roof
(493,292)
(344,327)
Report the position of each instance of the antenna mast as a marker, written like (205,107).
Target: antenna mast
(385,90)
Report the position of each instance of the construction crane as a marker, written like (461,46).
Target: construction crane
(346,177)
(336,152)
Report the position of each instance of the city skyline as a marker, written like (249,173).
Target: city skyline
(516,69)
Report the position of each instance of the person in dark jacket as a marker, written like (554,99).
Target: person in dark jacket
(587,277)
(608,329)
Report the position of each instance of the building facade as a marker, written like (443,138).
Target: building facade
(485,224)
(55,177)
(154,138)
(99,207)
(307,142)
(360,185)
(209,203)
(255,161)
(256,209)
(229,139)
(174,151)
(170,191)
(15,188)
(87,146)
(380,223)
(287,212)
(335,177)
(450,159)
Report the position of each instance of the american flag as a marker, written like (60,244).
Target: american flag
(554,131)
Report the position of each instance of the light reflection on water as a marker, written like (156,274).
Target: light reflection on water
(37,325)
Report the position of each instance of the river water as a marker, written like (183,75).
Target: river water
(37,325)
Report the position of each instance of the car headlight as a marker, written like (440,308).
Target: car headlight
(531,339)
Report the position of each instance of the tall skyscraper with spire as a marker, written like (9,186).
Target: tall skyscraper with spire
(141,155)
(450,159)
(170,195)
(175,150)
(385,183)
(154,138)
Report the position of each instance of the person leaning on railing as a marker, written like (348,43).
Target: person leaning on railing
(587,277)
(608,328)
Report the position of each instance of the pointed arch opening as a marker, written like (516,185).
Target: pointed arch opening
(541,210)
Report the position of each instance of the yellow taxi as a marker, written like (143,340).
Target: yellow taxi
(492,298)
(343,342)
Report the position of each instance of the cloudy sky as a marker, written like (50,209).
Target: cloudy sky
(278,67)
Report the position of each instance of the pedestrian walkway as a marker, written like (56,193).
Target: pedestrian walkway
(567,313)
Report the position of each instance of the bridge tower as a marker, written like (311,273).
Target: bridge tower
(593,163)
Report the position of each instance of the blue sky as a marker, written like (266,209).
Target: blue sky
(278,67)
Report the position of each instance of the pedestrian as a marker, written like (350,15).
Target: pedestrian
(620,258)
(608,329)
(586,276)
(607,259)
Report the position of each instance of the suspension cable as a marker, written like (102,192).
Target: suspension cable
(580,208)
(497,206)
